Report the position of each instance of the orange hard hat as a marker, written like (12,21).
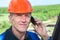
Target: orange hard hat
(19,6)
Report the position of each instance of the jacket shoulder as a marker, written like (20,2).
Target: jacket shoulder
(33,35)
(2,36)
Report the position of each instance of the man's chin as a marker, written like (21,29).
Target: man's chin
(22,31)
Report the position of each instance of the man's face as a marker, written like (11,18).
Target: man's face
(20,21)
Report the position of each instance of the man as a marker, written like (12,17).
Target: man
(20,18)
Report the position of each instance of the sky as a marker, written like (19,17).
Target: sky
(5,3)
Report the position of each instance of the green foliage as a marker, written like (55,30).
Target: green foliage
(46,12)
(3,10)
(4,24)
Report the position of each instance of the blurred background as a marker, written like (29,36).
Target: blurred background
(45,10)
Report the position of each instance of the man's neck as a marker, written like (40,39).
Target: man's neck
(19,35)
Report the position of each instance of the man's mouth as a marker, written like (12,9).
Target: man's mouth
(22,24)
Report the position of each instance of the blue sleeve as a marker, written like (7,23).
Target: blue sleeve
(50,38)
(34,36)
(2,36)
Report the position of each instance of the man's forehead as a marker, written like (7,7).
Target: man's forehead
(20,13)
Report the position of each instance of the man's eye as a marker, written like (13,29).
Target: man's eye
(27,15)
(18,15)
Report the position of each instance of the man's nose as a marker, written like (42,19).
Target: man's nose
(23,18)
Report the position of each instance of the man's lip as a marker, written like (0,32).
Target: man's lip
(22,24)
